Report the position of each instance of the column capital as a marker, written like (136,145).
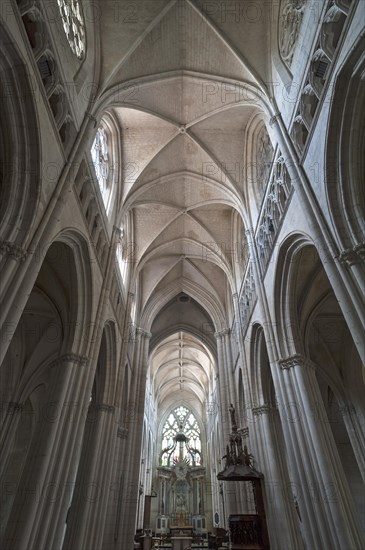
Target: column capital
(352,256)
(144,333)
(274,119)
(16,252)
(222,333)
(296,360)
(346,409)
(14,407)
(104,407)
(122,433)
(76,360)
(360,250)
(265,408)
(91,117)
(118,231)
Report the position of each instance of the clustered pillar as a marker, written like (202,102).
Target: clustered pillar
(325,494)
(135,413)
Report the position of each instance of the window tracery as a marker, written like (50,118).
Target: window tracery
(100,158)
(264,159)
(73,25)
(181,420)
(124,254)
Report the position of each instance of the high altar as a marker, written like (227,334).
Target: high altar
(181,492)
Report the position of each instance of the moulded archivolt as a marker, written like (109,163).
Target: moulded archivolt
(73,25)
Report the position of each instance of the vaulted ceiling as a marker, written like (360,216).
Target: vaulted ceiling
(184,79)
(146,37)
(181,364)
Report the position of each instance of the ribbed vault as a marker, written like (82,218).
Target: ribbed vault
(185,83)
(181,367)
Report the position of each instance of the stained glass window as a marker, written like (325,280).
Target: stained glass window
(99,155)
(181,419)
(73,25)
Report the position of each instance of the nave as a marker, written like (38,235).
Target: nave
(182,274)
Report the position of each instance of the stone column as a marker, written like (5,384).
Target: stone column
(326,487)
(202,497)
(229,367)
(86,519)
(352,261)
(147,512)
(243,494)
(280,388)
(11,418)
(223,385)
(161,499)
(195,497)
(245,377)
(166,506)
(42,481)
(115,503)
(245,489)
(300,464)
(197,482)
(51,525)
(230,489)
(62,474)
(10,256)
(234,487)
(132,461)
(280,511)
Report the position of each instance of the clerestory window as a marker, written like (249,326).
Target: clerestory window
(73,25)
(100,157)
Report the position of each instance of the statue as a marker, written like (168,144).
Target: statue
(180,503)
(247,457)
(232,412)
(228,457)
(290,21)
(264,158)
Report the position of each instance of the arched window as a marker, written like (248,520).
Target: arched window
(122,256)
(264,159)
(100,157)
(73,25)
(181,420)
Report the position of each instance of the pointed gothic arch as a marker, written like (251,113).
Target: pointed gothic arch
(345,151)
(20,151)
